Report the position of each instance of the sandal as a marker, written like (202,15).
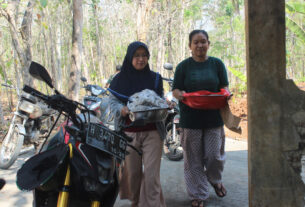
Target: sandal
(219,190)
(197,203)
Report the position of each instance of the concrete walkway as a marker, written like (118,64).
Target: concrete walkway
(235,179)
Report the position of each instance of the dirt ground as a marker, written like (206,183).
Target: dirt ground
(238,107)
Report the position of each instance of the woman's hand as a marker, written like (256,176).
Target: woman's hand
(171,104)
(125,111)
(231,94)
(178,94)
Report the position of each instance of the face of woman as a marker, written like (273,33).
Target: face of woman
(140,59)
(199,45)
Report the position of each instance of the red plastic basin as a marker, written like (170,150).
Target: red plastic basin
(206,100)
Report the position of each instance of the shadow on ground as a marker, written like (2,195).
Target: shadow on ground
(235,179)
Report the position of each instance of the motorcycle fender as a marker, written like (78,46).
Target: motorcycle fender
(21,129)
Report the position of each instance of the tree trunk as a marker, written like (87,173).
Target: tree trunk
(74,80)
(93,60)
(143,12)
(160,50)
(45,42)
(1,115)
(236,6)
(98,38)
(27,39)
(50,49)
(2,121)
(169,42)
(58,60)
(86,66)
(24,54)
(182,35)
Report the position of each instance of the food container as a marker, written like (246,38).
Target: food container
(206,99)
(149,116)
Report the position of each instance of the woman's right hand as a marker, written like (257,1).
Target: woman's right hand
(178,94)
(125,111)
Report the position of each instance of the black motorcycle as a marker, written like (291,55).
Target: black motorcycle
(79,165)
(172,145)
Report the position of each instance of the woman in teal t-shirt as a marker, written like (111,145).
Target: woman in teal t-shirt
(202,134)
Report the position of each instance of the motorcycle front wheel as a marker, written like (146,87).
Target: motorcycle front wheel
(10,148)
(172,150)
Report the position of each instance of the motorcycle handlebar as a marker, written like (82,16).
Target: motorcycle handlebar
(57,101)
(35,93)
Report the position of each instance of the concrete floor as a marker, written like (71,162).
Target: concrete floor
(235,179)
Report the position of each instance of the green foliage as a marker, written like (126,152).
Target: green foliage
(295,39)
(240,87)
(238,23)
(4,5)
(93,75)
(295,9)
(45,25)
(302,79)
(9,62)
(3,76)
(194,11)
(238,74)
(44,3)
(298,7)
(1,72)
(296,29)
(229,8)
(117,21)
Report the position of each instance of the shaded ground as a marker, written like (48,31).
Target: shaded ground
(235,179)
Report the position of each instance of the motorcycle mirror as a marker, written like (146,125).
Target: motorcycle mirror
(168,66)
(83,79)
(39,72)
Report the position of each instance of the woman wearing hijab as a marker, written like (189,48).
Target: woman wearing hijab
(140,185)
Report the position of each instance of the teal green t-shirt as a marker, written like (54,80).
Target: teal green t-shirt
(193,76)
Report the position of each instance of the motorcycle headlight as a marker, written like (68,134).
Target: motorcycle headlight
(96,91)
(32,109)
(95,106)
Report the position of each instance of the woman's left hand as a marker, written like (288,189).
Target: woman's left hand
(231,94)
(171,104)
(125,111)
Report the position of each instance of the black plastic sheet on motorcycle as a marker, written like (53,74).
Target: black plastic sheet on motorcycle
(40,168)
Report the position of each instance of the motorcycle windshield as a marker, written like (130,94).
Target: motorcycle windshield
(97,90)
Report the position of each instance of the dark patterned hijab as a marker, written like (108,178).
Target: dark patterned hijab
(130,81)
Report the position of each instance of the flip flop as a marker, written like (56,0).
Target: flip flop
(219,190)
(197,203)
